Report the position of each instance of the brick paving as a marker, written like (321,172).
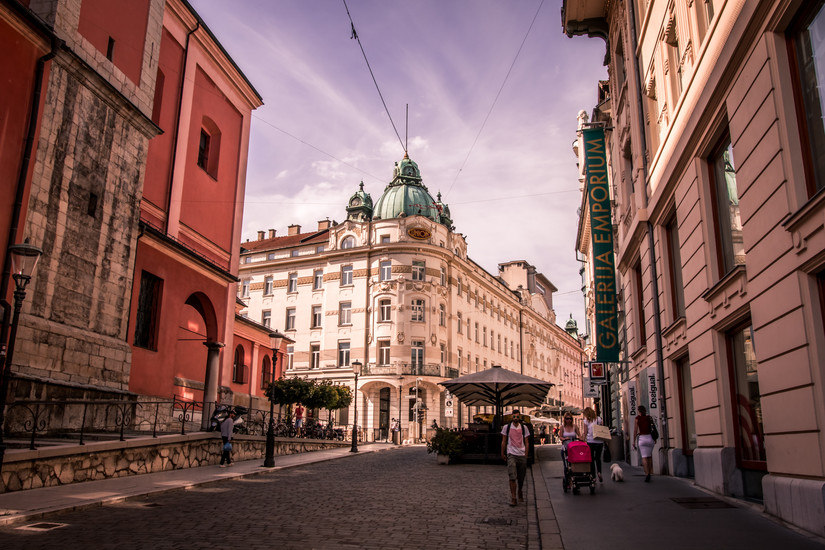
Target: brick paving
(400,498)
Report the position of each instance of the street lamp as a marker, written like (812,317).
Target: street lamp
(356,368)
(23,261)
(275,340)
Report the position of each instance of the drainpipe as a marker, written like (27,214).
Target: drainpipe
(26,160)
(657,321)
(177,121)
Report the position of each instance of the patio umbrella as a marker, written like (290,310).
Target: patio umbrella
(498,387)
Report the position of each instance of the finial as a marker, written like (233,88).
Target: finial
(361,187)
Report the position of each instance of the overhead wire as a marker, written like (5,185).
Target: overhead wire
(358,39)
(484,123)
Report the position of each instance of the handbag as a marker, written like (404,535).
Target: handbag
(227,446)
(602,432)
(654,431)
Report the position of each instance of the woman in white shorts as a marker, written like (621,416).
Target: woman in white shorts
(642,438)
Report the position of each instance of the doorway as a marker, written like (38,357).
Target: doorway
(384,414)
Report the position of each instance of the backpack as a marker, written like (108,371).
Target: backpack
(654,432)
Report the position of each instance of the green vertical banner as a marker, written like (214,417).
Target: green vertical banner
(601,233)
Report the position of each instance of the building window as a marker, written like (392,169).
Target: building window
(319,249)
(443,276)
(343,354)
(477,340)
(731,248)
(295,253)
(385,270)
(317,279)
(270,256)
(442,315)
(290,319)
(345,313)
(316,317)
(346,275)
(417,353)
(245,288)
(498,337)
(148,311)
(239,369)
(458,322)
(266,317)
(468,328)
(348,242)
(268,285)
(417,310)
(290,354)
(505,346)
(747,400)
(384,310)
(203,149)
(266,372)
(315,356)
(639,304)
(459,358)
(806,47)
(383,352)
(418,270)
(458,287)
(385,239)
(292,283)
(484,334)
(209,146)
(677,289)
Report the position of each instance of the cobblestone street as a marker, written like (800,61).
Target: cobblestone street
(399,498)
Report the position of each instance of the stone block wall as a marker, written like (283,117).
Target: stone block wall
(51,466)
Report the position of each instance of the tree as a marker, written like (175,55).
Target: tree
(286,391)
(342,398)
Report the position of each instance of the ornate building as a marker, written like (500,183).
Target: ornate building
(715,134)
(393,288)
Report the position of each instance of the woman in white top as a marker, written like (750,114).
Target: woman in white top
(590,420)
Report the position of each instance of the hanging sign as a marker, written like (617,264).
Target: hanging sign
(598,371)
(589,389)
(601,233)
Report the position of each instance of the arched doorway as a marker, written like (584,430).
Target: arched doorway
(384,414)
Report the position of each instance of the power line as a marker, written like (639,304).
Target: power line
(463,164)
(358,39)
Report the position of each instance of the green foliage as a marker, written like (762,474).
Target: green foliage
(446,442)
(286,391)
(343,398)
(312,394)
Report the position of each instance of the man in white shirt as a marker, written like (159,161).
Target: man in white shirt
(515,446)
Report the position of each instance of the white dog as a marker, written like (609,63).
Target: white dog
(616,472)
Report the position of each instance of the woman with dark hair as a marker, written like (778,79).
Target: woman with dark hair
(645,440)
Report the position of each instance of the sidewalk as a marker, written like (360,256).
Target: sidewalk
(18,506)
(668,511)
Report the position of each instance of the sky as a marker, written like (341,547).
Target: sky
(493,89)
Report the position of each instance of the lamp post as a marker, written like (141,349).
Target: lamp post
(356,368)
(24,259)
(275,340)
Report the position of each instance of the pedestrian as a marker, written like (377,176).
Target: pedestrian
(543,434)
(435,424)
(227,427)
(299,417)
(515,446)
(590,420)
(395,428)
(568,431)
(642,438)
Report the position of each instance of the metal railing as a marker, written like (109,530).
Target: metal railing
(410,369)
(33,422)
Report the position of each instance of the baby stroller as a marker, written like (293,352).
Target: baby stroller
(578,467)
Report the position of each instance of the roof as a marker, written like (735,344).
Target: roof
(287,241)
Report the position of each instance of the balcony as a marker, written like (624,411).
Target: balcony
(410,369)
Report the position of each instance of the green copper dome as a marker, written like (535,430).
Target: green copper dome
(359,207)
(406,195)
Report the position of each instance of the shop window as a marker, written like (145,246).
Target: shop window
(747,402)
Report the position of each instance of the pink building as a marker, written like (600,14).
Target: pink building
(714,133)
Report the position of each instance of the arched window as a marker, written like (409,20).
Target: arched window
(209,147)
(348,242)
(266,372)
(239,369)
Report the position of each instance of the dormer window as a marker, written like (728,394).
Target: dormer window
(348,242)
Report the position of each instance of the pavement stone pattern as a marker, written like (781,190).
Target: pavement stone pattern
(400,498)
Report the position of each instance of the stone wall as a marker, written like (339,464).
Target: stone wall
(61,465)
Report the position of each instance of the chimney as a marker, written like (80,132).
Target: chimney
(271,233)
(294,229)
(323,224)
(260,235)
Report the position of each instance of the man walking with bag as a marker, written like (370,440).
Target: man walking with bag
(515,446)
(227,427)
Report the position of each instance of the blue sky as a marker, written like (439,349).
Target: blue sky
(510,182)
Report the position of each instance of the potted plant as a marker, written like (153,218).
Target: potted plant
(447,445)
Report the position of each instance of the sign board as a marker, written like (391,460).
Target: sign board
(448,404)
(601,232)
(652,392)
(597,371)
(589,389)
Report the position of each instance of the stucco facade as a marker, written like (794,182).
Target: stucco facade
(714,132)
(403,297)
